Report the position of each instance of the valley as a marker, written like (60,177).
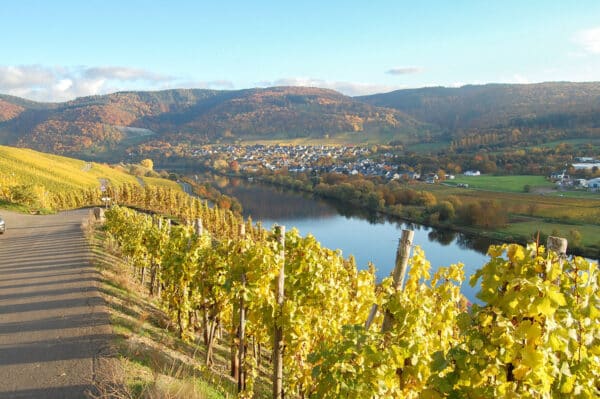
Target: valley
(379,170)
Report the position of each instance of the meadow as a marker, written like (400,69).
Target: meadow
(515,184)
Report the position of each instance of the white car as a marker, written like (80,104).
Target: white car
(2,226)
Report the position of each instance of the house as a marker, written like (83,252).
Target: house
(584,159)
(431,178)
(559,176)
(586,165)
(472,173)
(594,184)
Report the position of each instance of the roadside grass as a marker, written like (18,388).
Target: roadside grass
(153,362)
(11,206)
(516,184)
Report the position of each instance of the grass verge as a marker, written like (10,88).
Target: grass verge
(152,361)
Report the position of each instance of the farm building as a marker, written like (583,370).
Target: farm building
(472,173)
(594,184)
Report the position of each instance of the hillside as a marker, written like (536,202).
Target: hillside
(543,105)
(93,125)
(55,173)
(495,114)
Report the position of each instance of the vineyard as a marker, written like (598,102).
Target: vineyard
(54,173)
(45,182)
(300,317)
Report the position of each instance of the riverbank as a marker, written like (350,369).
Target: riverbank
(497,216)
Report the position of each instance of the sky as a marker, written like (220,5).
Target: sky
(58,50)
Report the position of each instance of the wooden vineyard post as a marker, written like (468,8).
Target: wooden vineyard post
(557,244)
(278,332)
(242,329)
(160,286)
(372,314)
(402,255)
(198,229)
(155,287)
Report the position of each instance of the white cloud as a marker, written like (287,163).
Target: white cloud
(589,40)
(210,84)
(63,85)
(16,77)
(520,79)
(347,88)
(404,70)
(43,83)
(123,73)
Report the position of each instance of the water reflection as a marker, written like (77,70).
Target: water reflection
(444,237)
(368,236)
(479,244)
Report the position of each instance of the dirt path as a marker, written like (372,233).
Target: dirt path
(53,326)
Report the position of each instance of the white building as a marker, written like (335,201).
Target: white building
(586,165)
(472,173)
(594,184)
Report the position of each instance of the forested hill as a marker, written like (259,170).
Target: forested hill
(469,116)
(97,123)
(561,105)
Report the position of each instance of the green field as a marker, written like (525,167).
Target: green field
(514,184)
(574,142)
(345,138)
(590,234)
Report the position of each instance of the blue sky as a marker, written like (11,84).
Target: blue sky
(58,50)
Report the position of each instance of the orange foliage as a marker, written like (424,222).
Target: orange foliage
(9,111)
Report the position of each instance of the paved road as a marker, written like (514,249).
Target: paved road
(53,326)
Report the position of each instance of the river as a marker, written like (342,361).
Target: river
(368,237)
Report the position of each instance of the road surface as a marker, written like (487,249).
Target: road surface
(54,329)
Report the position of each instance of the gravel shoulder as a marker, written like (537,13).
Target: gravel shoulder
(54,328)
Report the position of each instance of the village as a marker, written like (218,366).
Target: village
(355,160)
(351,160)
(565,181)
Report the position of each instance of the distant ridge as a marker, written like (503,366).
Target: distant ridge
(540,105)
(96,125)
(193,115)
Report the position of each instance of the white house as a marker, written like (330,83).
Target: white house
(594,184)
(472,173)
(586,165)
(559,176)
(584,159)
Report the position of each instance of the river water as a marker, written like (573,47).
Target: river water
(368,237)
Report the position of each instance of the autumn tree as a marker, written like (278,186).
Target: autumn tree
(147,163)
